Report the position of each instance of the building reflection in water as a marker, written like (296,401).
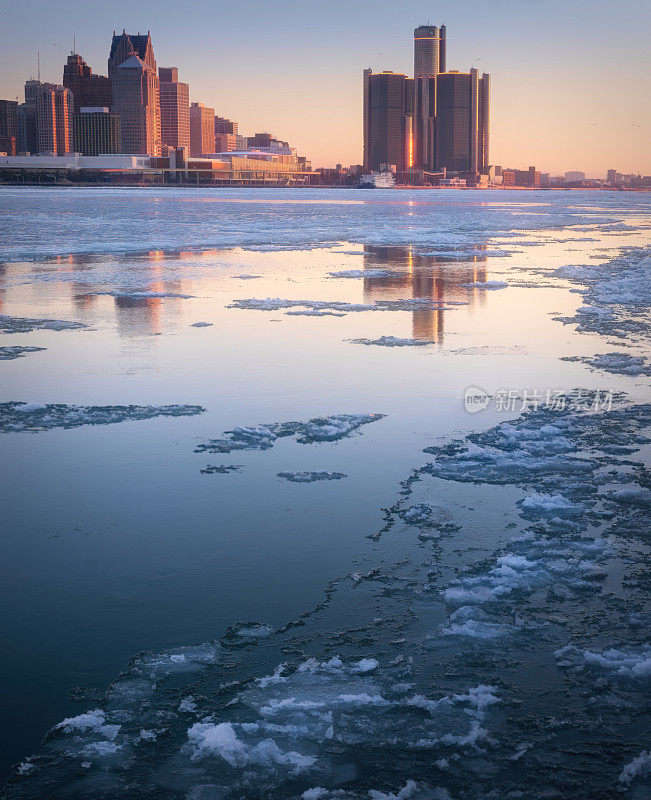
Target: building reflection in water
(135,316)
(432,277)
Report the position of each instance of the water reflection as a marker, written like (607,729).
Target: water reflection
(422,275)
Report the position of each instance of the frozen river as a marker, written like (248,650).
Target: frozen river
(255,545)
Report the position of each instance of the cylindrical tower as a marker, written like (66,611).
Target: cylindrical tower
(426,51)
(442,49)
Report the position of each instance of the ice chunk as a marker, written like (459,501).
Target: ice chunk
(487,284)
(637,768)
(311,477)
(35,417)
(9,324)
(394,341)
(263,437)
(10,352)
(201,325)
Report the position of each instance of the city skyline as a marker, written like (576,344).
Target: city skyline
(264,82)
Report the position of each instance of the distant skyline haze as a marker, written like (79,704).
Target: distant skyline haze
(569,80)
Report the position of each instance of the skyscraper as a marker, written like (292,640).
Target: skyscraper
(54,109)
(8,126)
(87,89)
(427,63)
(438,119)
(136,101)
(174,108)
(388,117)
(124,45)
(462,121)
(202,129)
(135,88)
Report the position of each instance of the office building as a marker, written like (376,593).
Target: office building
(88,90)
(462,121)
(174,109)
(8,126)
(124,45)
(54,110)
(27,141)
(388,120)
(136,101)
(202,129)
(96,132)
(437,120)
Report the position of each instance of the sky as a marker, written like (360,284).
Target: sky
(569,78)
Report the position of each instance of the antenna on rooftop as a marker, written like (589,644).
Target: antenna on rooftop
(74,42)
(38,63)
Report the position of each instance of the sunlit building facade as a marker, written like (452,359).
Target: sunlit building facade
(136,102)
(202,129)
(174,108)
(54,110)
(88,90)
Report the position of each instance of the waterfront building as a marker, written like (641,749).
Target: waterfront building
(54,110)
(174,108)
(136,101)
(8,126)
(88,90)
(96,132)
(436,121)
(202,129)
(462,121)
(388,120)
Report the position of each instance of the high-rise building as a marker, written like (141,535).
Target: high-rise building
(389,114)
(202,129)
(27,140)
(96,131)
(8,126)
(223,125)
(124,45)
(88,90)
(174,108)
(462,121)
(438,119)
(136,101)
(54,110)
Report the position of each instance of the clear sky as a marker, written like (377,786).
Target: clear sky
(570,78)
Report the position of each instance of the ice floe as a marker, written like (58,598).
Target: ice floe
(630,663)
(617,294)
(220,469)
(9,324)
(639,767)
(362,273)
(616,363)
(394,341)
(201,324)
(311,477)
(35,417)
(137,294)
(263,437)
(10,352)
(487,284)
